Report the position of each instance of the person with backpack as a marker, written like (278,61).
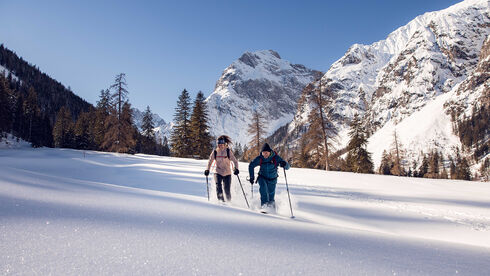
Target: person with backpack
(268,161)
(223,157)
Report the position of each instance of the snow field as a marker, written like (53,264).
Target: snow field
(69,212)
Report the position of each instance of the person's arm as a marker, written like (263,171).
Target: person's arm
(233,159)
(211,159)
(252,166)
(283,163)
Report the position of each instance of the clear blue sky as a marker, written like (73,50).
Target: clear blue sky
(166,46)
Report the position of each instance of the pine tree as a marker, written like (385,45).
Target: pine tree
(358,158)
(257,129)
(5,104)
(102,111)
(398,156)
(302,157)
(462,168)
(485,170)
(31,111)
(452,168)
(18,122)
(147,125)
(165,147)
(84,136)
(414,167)
(120,94)
(148,133)
(120,133)
(119,98)
(386,164)
(238,151)
(199,134)
(434,159)
(180,138)
(244,157)
(321,129)
(424,168)
(63,129)
(128,130)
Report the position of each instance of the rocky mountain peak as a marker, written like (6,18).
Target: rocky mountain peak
(391,81)
(261,81)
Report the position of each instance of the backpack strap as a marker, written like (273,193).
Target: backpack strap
(272,161)
(227,153)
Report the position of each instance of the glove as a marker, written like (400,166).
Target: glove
(236,172)
(282,164)
(251,180)
(206,172)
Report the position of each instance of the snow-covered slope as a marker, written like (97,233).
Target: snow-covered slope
(4,71)
(393,80)
(256,81)
(12,142)
(69,212)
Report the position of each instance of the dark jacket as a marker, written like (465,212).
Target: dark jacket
(268,167)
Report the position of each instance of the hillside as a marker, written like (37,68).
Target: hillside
(438,59)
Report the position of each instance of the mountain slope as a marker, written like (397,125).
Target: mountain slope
(52,95)
(259,81)
(390,81)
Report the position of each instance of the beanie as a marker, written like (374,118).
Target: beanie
(266,147)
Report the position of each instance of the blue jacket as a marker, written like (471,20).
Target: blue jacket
(268,168)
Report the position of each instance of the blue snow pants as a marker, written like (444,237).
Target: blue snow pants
(267,188)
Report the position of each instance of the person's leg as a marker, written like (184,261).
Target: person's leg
(272,192)
(264,198)
(227,183)
(219,189)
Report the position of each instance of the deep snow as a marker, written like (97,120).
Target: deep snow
(74,212)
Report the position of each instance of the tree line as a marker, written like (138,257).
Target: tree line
(109,126)
(190,135)
(315,147)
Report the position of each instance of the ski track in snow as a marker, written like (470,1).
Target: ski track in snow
(74,212)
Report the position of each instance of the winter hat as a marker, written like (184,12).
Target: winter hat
(266,147)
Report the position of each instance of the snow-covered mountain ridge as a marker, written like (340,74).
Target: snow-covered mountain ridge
(391,81)
(260,81)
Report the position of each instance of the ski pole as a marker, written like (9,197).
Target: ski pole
(251,187)
(289,197)
(243,191)
(207,186)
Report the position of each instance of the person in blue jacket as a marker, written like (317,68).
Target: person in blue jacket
(268,161)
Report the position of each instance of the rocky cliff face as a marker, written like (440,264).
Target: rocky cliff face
(261,81)
(438,59)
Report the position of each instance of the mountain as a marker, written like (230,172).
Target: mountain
(261,81)
(162,128)
(410,82)
(51,94)
(30,100)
